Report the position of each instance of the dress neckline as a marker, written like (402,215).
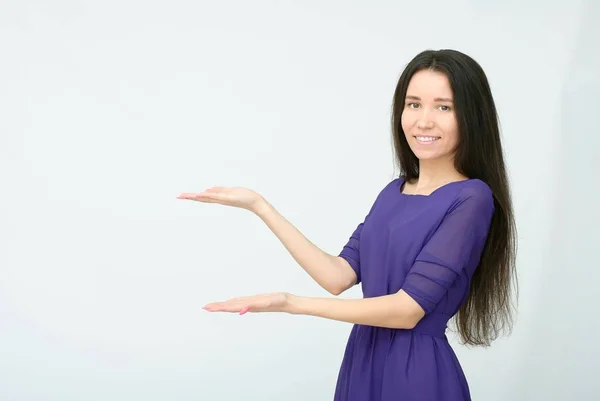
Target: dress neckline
(402,181)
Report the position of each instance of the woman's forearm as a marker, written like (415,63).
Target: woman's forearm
(398,311)
(329,271)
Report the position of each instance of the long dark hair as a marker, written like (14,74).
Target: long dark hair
(488,309)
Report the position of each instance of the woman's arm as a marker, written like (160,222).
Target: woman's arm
(332,273)
(398,311)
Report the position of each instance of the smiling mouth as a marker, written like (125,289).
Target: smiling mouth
(426,139)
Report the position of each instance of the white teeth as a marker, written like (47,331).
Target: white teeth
(427,138)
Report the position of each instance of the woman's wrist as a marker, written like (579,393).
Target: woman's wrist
(293,304)
(261,207)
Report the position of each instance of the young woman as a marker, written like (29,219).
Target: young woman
(438,242)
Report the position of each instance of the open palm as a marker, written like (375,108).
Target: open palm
(271,302)
(230,196)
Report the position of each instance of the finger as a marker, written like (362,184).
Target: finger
(210,193)
(202,197)
(217,197)
(214,307)
(199,199)
(187,195)
(224,307)
(233,305)
(206,200)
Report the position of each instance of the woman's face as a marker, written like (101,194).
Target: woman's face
(428,119)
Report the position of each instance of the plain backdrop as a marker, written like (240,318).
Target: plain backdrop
(110,109)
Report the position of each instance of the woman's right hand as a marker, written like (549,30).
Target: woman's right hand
(243,198)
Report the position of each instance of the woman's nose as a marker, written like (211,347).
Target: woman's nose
(425,121)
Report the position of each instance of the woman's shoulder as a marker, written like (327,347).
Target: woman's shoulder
(475,193)
(474,187)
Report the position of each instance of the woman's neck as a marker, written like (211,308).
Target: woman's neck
(434,174)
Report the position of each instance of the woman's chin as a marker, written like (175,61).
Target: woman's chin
(430,155)
(426,155)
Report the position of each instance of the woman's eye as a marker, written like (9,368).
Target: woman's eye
(413,105)
(445,108)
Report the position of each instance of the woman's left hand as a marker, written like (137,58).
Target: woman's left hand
(273,302)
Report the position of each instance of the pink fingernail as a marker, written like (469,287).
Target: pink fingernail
(246,309)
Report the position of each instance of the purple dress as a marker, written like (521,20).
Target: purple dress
(428,246)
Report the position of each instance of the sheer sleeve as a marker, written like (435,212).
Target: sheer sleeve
(454,248)
(351,251)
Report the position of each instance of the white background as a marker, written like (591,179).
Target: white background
(110,109)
